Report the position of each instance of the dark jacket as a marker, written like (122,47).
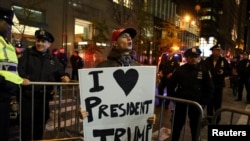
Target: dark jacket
(40,67)
(116,59)
(192,82)
(76,62)
(243,69)
(168,65)
(222,63)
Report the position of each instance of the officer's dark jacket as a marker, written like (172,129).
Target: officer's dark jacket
(168,65)
(115,59)
(222,63)
(40,67)
(243,69)
(192,82)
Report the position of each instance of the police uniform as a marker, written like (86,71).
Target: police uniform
(243,69)
(191,82)
(9,78)
(219,68)
(38,67)
(168,65)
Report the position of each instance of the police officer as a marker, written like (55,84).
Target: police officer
(9,78)
(219,68)
(39,65)
(167,66)
(191,81)
(243,69)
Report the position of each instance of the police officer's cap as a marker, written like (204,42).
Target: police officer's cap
(193,52)
(43,34)
(217,46)
(7,15)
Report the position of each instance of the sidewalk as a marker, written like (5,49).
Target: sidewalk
(229,101)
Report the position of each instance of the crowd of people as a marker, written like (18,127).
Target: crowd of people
(200,80)
(203,80)
(39,64)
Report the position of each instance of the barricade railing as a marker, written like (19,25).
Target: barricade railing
(64,120)
(232,114)
(170,116)
(66,139)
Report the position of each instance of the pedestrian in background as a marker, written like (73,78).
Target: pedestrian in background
(243,69)
(54,52)
(38,65)
(77,63)
(234,76)
(191,81)
(169,63)
(9,78)
(19,49)
(62,57)
(219,68)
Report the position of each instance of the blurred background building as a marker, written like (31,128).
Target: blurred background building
(86,25)
(223,22)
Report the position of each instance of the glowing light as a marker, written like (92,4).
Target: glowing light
(187,18)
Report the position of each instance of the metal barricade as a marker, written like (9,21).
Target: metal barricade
(66,139)
(164,117)
(63,122)
(232,113)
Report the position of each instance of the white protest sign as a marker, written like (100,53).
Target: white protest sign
(119,101)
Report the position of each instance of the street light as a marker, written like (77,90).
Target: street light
(187,18)
(189,31)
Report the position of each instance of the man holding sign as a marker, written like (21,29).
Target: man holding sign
(120,54)
(118,101)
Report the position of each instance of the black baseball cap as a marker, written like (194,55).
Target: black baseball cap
(7,15)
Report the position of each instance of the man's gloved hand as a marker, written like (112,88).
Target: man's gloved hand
(2,80)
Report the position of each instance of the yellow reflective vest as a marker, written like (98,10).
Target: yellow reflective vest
(8,59)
